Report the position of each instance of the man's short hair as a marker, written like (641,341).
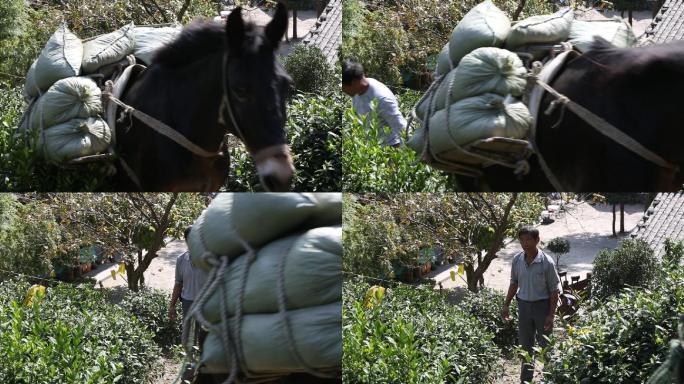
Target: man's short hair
(351,71)
(527,230)
(186,233)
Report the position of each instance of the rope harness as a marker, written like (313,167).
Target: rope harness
(520,165)
(231,339)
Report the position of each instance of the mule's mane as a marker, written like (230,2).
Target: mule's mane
(198,40)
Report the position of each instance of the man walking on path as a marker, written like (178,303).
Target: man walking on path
(189,281)
(364,90)
(536,285)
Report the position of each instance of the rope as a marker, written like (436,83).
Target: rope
(162,128)
(605,128)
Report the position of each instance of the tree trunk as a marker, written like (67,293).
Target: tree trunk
(294,24)
(630,17)
(614,234)
(472,278)
(518,10)
(622,217)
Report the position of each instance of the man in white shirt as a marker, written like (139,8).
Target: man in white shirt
(364,90)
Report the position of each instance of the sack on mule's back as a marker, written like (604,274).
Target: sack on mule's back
(317,333)
(107,49)
(312,274)
(60,58)
(483,26)
(67,99)
(257,219)
(475,118)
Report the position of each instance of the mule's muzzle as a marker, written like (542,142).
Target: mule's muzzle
(275,167)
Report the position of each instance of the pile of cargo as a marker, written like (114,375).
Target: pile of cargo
(65,116)
(273,300)
(481,79)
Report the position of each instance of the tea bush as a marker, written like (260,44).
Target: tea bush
(395,38)
(150,306)
(632,263)
(625,339)
(29,237)
(309,69)
(371,167)
(412,336)
(314,134)
(486,307)
(71,335)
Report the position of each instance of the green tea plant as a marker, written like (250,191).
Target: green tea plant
(624,339)
(412,335)
(372,167)
(71,335)
(314,134)
(486,306)
(632,263)
(150,306)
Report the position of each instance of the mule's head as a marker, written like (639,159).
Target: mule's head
(255,87)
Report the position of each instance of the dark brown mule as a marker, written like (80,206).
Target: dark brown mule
(212,80)
(635,90)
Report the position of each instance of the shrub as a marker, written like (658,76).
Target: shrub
(313,128)
(412,336)
(558,246)
(29,237)
(624,340)
(632,263)
(309,69)
(371,167)
(71,335)
(12,14)
(486,307)
(150,306)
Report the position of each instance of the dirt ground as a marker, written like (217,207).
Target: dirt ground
(640,19)
(160,274)
(587,227)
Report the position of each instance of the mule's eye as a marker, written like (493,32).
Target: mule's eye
(240,93)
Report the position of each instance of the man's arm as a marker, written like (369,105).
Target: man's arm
(388,111)
(553,301)
(512,289)
(554,286)
(177,289)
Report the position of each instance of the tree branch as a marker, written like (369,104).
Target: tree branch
(182,11)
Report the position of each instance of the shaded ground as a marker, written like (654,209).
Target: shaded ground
(587,227)
(640,19)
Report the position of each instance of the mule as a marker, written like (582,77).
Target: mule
(212,80)
(635,90)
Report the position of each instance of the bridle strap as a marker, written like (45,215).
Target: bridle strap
(225,102)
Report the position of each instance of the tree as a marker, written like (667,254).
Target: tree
(620,199)
(473,225)
(30,240)
(134,225)
(559,246)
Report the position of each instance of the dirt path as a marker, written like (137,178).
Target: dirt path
(587,227)
(171,370)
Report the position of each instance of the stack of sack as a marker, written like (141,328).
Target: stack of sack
(66,110)
(481,78)
(296,240)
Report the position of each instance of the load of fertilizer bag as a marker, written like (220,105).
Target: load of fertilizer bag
(273,299)
(474,114)
(66,113)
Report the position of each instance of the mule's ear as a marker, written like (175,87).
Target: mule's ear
(235,29)
(277,27)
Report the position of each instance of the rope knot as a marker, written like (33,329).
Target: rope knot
(522,168)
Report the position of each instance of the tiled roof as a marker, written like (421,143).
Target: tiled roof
(668,25)
(663,219)
(327,35)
